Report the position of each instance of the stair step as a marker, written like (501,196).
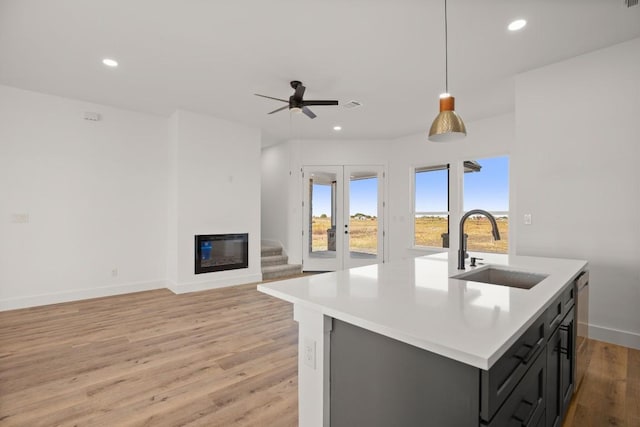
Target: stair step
(281,271)
(270,250)
(274,260)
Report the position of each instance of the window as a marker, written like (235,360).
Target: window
(431,206)
(486,186)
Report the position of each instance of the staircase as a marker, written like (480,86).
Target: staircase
(274,263)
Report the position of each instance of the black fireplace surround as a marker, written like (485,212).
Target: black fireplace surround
(218,252)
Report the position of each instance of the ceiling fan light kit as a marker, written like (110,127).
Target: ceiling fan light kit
(448,125)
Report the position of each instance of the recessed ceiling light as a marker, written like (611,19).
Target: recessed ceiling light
(337,128)
(110,62)
(518,24)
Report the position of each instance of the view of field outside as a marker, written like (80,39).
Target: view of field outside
(363,234)
(428,233)
(363,221)
(487,189)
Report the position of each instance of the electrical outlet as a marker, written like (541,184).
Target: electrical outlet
(309,354)
(114,272)
(527,219)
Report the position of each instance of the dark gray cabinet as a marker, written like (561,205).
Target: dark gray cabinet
(376,381)
(526,404)
(554,369)
(498,383)
(379,381)
(567,349)
(561,361)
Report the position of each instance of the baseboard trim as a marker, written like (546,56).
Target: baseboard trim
(184,288)
(615,336)
(78,294)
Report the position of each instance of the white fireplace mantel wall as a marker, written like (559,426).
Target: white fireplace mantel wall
(214,188)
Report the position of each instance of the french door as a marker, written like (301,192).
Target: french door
(342,217)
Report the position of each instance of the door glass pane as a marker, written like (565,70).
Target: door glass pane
(322,214)
(363,215)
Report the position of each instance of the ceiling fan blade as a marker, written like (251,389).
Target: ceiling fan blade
(320,102)
(279,109)
(308,112)
(271,97)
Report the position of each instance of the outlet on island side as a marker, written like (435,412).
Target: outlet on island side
(309,353)
(527,219)
(114,272)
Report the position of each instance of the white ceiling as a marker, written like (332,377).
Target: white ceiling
(210,56)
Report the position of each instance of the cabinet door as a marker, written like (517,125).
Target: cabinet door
(499,381)
(567,334)
(554,391)
(525,407)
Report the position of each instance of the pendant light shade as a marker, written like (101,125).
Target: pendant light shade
(448,125)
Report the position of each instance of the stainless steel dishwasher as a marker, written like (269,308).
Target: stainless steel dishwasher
(582,329)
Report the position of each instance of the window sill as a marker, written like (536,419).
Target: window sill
(428,249)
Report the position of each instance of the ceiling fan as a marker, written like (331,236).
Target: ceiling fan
(296,101)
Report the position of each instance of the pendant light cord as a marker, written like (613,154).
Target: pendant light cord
(446,50)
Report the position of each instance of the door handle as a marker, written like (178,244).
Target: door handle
(569,349)
(346,232)
(527,418)
(533,349)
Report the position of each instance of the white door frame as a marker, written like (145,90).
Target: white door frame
(341,258)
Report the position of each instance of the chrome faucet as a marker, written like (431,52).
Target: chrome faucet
(462,247)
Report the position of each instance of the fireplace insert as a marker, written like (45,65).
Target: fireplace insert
(217,252)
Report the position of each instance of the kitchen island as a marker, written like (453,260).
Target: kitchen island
(404,340)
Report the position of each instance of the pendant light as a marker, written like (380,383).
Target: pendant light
(448,125)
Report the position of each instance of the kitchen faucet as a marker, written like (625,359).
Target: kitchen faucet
(462,247)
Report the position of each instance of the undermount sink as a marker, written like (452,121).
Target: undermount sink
(503,277)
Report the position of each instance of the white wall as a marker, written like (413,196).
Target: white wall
(215,168)
(275,174)
(576,160)
(95,193)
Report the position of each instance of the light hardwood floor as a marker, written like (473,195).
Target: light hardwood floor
(610,392)
(216,358)
(225,357)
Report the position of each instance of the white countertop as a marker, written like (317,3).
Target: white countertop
(416,302)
